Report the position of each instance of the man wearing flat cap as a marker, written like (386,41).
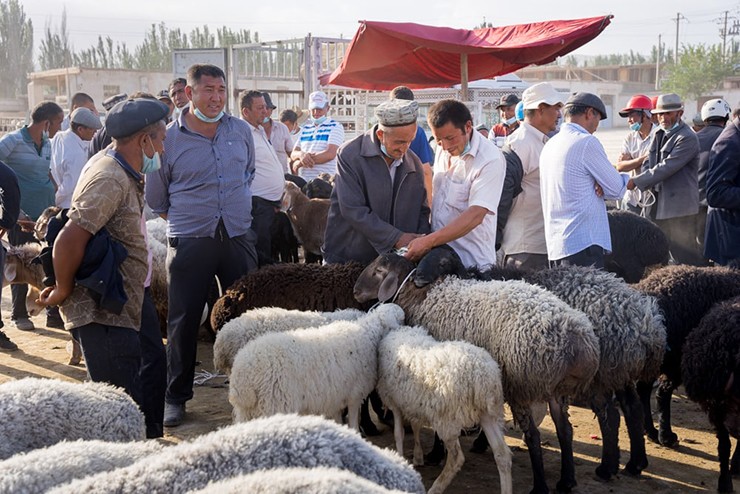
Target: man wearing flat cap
(575,178)
(508,122)
(110,197)
(379,202)
(672,173)
(69,153)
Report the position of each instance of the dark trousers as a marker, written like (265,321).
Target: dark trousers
(112,355)
(191,265)
(153,372)
(590,256)
(681,233)
(263,214)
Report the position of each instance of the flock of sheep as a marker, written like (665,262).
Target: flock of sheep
(446,350)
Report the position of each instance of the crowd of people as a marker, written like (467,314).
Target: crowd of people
(218,180)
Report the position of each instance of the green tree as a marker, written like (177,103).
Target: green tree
(16,49)
(699,71)
(55,49)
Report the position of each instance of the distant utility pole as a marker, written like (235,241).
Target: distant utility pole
(678,18)
(724,32)
(657,64)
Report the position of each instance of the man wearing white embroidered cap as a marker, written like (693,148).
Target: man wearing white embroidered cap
(315,152)
(524,235)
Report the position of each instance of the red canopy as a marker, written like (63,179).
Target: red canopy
(383,55)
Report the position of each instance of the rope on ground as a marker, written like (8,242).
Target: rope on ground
(203,376)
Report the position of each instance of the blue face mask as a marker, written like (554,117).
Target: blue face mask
(200,116)
(152,164)
(318,121)
(635,126)
(675,126)
(510,121)
(467,148)
(384,150)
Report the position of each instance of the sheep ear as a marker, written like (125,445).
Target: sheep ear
(9,271)
(388,287)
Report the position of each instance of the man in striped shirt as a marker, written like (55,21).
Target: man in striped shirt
(575,178)
(315,151)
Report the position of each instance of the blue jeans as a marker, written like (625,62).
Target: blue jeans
(112,355)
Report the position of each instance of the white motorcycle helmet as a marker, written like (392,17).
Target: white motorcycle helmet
(715,108)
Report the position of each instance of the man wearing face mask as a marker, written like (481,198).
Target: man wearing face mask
(379,200)
(204,191)
(507,113)
(315,152)
(672,173)
(27,152)
(110,196)
(468,179)
(269,183)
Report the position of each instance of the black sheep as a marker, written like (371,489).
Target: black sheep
(684,294)
(710,364)
(636,244)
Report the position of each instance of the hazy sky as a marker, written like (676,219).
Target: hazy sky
(636,24)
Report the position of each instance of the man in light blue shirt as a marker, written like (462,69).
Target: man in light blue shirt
(203,189)
(575,178)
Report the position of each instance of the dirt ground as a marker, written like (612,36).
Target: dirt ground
(692,467)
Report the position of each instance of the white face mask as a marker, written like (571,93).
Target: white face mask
(203,118)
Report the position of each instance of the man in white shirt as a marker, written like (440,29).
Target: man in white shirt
(316,149)
(278,134)
(69,153)
(269,183)
(468,178)
(79,100)
(524,243)
(574,175)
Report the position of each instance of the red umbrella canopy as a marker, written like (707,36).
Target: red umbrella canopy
(383,55)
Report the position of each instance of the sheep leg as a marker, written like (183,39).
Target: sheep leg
(494,430)
(644,390)
(559,414)
(353,416)
(724,448)
(398,432)
(437,454)
(454,463)
(366,422)
(735,465)
(608,417)
(523,417)
(634,420)
(663,396)
(418,452)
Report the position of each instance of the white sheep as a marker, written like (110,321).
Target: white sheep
(236,333)
(156,228)
(36,413)
(41,469)
(317,480)
(447,386)
(318,371)
(266,443)
(547,350)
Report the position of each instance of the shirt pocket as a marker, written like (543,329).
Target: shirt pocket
(458,195)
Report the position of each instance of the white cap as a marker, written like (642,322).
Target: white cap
(317,99)
(541,93)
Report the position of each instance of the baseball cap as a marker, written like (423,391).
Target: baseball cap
(317,99)
(83,116)
(543,92)
(589,100)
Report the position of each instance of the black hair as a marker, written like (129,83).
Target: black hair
(45,110)
(449,110)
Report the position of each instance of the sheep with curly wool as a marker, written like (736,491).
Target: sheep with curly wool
(632,340)
(710,368)
(42,469)
(36,413)
(447,386)
(290,286)
(317,480)
(684,294)
(318,371)
(262,444)
(637,244)
(547,350)
(238,332)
